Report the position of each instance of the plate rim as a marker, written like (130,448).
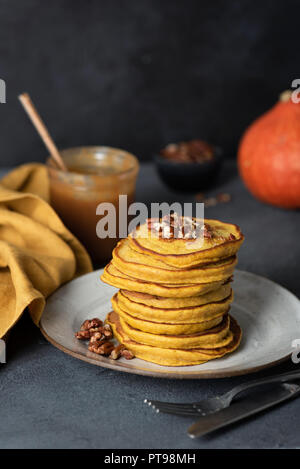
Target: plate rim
(122,366)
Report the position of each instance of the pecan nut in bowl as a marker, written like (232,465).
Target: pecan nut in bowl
(189,166)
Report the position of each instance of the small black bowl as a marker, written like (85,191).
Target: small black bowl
(189,177)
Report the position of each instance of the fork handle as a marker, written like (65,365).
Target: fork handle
(257,382)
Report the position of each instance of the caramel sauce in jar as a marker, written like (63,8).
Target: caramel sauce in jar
(95,175)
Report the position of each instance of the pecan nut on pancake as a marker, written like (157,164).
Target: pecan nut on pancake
(216,241)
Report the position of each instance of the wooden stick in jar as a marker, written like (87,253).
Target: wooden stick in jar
(42,130)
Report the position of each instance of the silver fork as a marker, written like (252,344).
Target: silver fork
(213,404)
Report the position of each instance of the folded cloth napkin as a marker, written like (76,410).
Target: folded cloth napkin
(37,252)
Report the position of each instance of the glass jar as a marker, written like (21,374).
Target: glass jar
(96,174)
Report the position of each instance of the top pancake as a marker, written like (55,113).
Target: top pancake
(145,267)
(224,242)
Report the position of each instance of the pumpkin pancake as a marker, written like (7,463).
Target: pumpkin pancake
(174,357)
(163,327)
(114,277)
(218,336)
(224,241)
(162,302)
(144,267)
(190,314)
(182,317)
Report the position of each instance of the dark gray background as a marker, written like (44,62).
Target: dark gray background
(140,73)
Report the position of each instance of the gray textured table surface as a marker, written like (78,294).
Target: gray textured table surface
(51,400)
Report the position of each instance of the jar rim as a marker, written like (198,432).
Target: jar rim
(94,149)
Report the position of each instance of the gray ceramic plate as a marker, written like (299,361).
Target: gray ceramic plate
(268,314)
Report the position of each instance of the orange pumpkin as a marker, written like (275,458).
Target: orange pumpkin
(269,155)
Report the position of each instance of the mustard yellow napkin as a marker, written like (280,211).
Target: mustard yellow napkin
(37,252)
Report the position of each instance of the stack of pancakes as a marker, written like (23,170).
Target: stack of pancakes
(175,291)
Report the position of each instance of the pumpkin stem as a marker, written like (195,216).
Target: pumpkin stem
(285,96)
